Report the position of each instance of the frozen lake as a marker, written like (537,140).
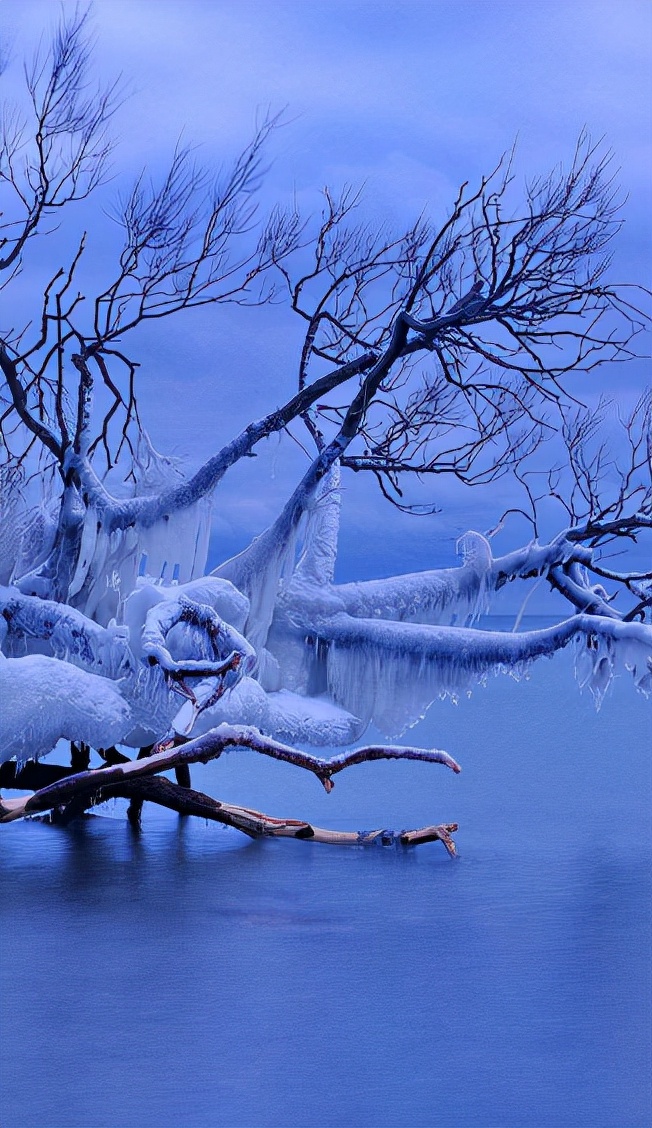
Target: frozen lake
(189,977)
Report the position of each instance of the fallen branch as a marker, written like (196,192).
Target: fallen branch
(255,824)
(139,780)
(210,746)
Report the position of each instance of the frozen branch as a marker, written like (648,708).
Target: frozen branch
(71,635)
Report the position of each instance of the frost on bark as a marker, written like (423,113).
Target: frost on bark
(448,348)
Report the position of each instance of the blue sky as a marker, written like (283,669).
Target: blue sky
(409,98)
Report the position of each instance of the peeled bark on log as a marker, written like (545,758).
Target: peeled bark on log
(256,824)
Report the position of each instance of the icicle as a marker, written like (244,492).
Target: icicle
(11,517)
(86,551)
(394,686)
(26,533)
(391,672)
(317,562)
(257,572)
(601,656)
(175,546)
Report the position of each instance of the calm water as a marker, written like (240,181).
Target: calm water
(189,978)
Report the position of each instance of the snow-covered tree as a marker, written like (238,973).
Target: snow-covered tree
(444,349)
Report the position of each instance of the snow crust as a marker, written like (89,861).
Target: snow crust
(310,720)
(315,721)
(45,700)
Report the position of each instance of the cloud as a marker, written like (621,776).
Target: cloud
(410,98)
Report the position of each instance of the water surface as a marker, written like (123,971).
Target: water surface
(189,977)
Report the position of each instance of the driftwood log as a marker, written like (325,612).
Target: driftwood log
(67,793)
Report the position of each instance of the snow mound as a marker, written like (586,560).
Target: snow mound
(45,700)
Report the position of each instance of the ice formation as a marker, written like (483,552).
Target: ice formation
(269,638)
(448,594)
(391,673)
(46,699)
(172,548)
(291,717)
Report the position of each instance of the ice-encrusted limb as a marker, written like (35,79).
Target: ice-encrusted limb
(391,672)
(71,635)
(124,529)
(464,591)
(424,597)
(536,559)
(231,656)
(210,747)
(220,595)
(306,606)
(591,599)
(419,597)
(161,619)
(147,510)
(257,570)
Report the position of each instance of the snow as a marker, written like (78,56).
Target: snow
(287,716)
(310,720)
(45,700)
(245,704)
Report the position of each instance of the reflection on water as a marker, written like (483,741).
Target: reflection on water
(190,977)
